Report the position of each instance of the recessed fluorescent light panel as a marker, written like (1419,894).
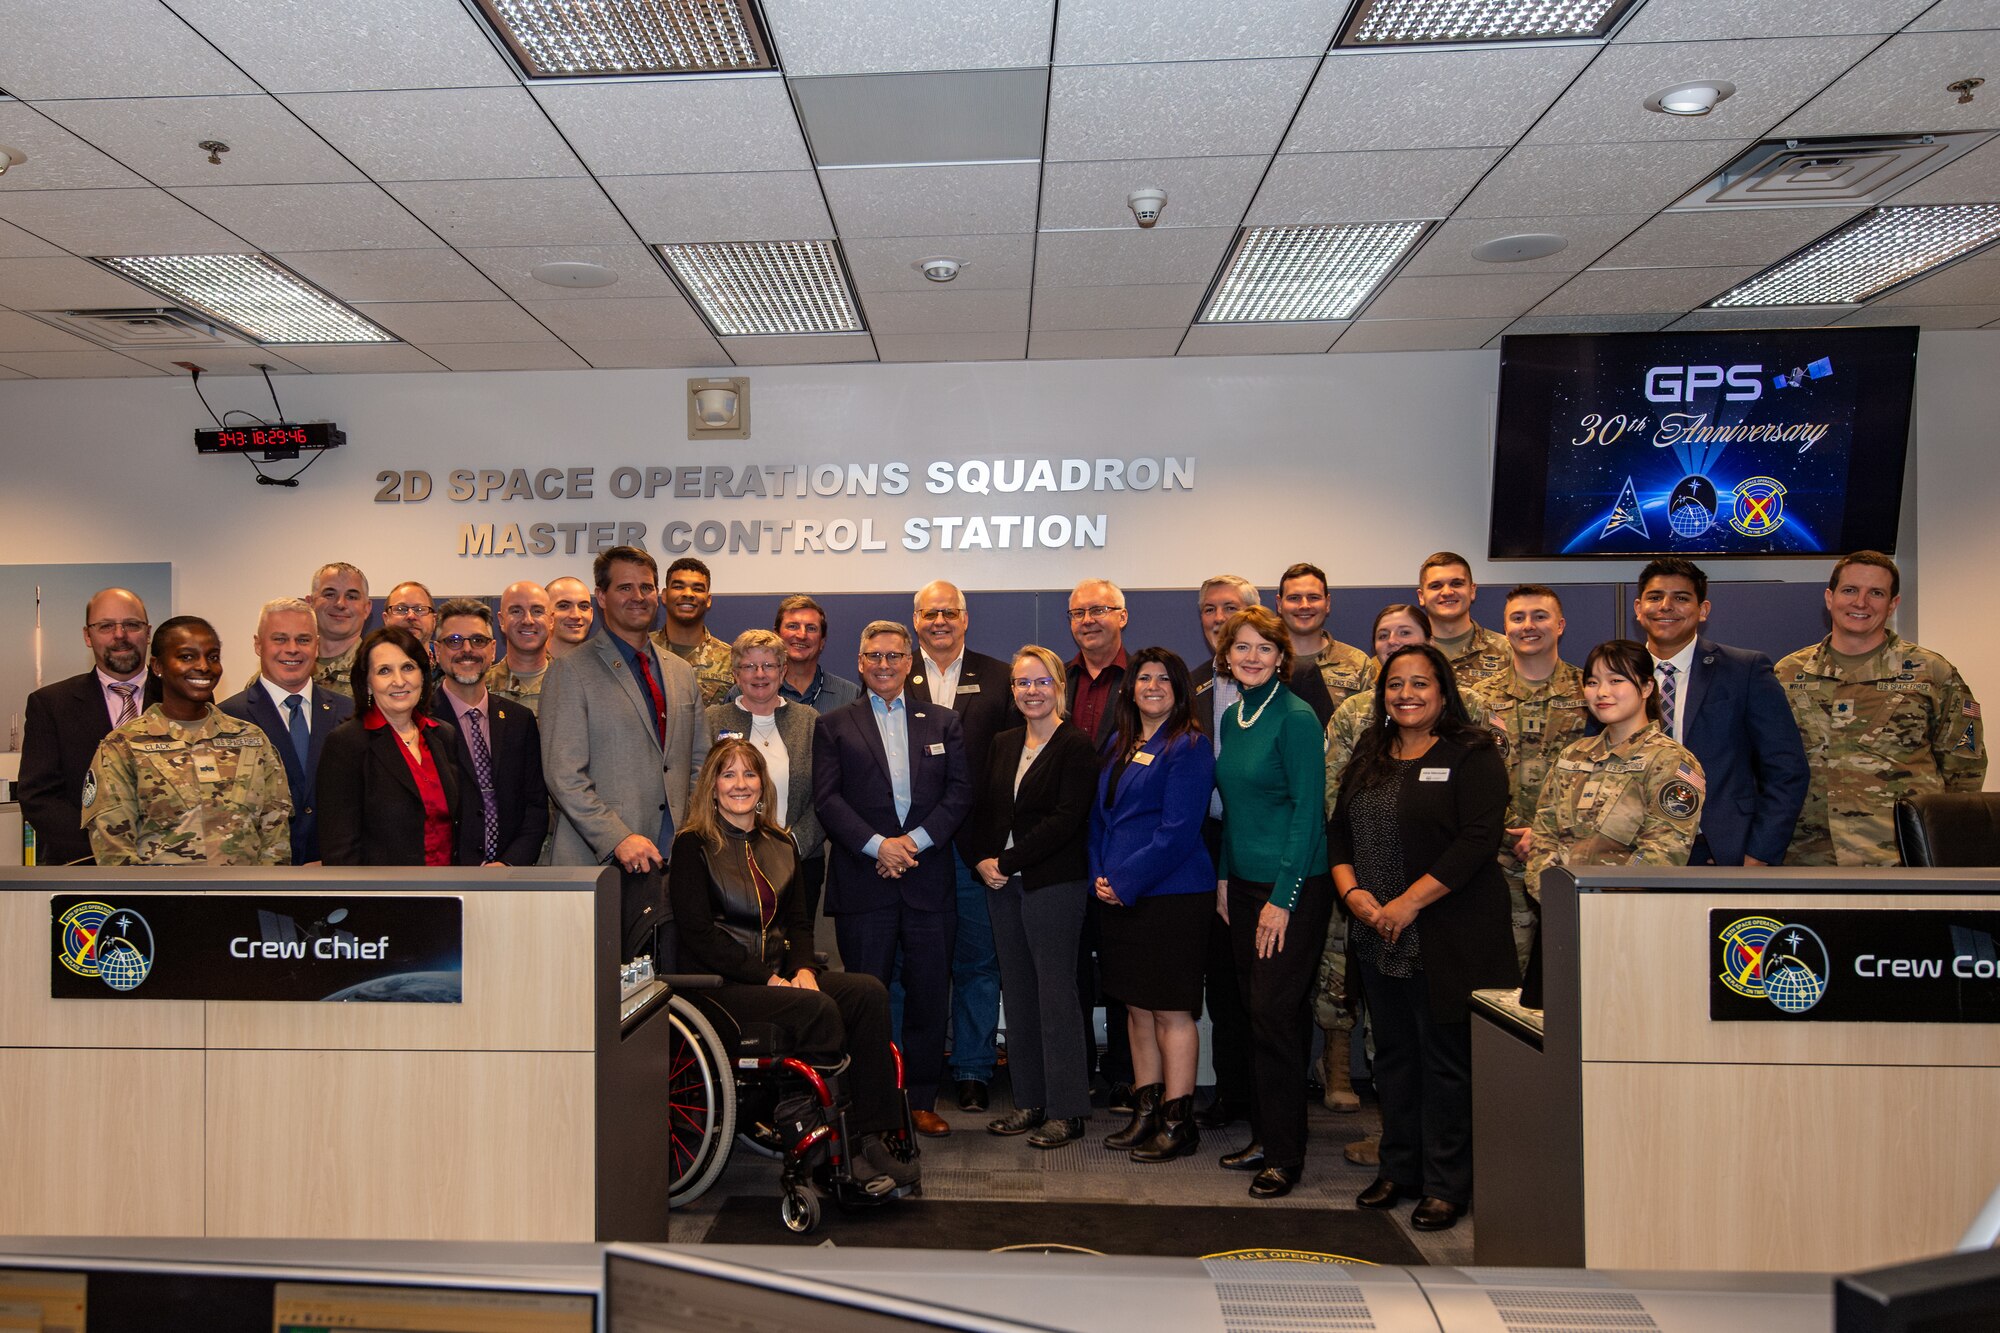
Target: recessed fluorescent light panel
(1436,22)
(1878,250)
(767,286)
(569,39)
(249,292)
(1277,274)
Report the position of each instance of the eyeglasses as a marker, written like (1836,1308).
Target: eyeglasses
(1092,612)
(412,611)
(1033,683)
(940,613)
(883,659)
(457,641)
(112,626)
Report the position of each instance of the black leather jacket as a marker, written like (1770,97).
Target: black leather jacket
(722,924)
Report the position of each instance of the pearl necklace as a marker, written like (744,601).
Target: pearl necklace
(1247,721)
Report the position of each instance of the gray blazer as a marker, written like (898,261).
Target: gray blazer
(606,770)
(795,729)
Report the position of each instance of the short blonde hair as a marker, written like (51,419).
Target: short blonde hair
(750,641)
(1054,664)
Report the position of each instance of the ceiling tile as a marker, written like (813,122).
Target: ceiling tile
(983,115)
(1419,335)
(156,136)
(1738,236)
(1368,187)
(890,35)
(297,46)
(512,269)
(517,212)
(1595,178)
(391,275)
(89,363)
(1901,88)
(953,347)
(643,318)
(1925,316)
(457,321)
(1957,16)
(18,244)
(650,128)
(1537,324)
(1112,32)
(1972,179)
(117,222)
(653,353)
(134,47)
(18,333)
(57,159)
(1196,109)
(933,201)
(1448,249)
(1474,296)
(1619,291)
(736,206)
(1707,20)
(312,217)
(1973,281)
(1131,257)
(506,356)
(374,359)
(1068,307)
(1201,191)
(1795,317)
(1607,103)
(66,284)
(945,310)
(814,349)
(1101,344)
(440,134)
(1417,98)
(1261,339)
(216,362)
(988,263)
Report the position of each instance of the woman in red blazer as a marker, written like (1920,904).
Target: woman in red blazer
(388,783)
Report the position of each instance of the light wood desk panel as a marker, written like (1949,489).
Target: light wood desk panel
(28,1017)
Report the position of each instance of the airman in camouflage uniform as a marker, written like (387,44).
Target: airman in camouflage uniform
(212,792)
(1638,803)
(1896,723)
(1446,592)
(523,690)
(710,660)
(336,673)
(339,595)
(1484,656)
(1346,670)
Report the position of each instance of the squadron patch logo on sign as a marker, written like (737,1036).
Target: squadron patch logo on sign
(1679,798)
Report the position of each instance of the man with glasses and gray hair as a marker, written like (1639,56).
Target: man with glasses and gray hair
(66,720)
(1097,623)
(891,783)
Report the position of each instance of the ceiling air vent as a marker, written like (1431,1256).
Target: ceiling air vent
(160,327)
(1852,173)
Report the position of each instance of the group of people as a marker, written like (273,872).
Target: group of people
(1291,828)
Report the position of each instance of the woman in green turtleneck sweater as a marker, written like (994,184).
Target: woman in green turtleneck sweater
(1274,891)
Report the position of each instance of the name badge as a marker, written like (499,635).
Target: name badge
(205,768)
(1142,758)
(935,747)
(1434,775)
(969,689)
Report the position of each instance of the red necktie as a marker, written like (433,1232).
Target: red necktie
(653,693)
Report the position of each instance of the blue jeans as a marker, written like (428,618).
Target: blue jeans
(975,981)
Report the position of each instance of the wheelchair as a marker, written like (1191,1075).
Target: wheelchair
(734,1083)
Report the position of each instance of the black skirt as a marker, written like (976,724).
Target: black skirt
(1153,953)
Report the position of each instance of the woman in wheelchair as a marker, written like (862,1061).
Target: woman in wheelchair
(740,914)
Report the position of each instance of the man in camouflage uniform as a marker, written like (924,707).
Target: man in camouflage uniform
(685,597)
(1446,592)
(1881,719)
(1327,672)
(184,783)
(525,618)
(339,596)
(1535,708)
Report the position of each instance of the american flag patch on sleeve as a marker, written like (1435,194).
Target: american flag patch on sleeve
(1693,774)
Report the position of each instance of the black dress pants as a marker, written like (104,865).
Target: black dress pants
(1278,993)
(1423,1073)
(849,1013)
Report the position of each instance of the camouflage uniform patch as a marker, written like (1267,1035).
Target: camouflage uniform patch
(1605,805)
(335,673)
(1901,724)
(205,793)
(1346,670)
(1485,655)
(523,690)
(710,660)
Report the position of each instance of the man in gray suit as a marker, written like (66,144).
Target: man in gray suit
(619,722)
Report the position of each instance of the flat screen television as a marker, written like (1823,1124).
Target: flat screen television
(1754,442)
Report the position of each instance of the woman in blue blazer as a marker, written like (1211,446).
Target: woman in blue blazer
(1151,870)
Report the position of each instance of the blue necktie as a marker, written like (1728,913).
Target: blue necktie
(482,769)
(301,737)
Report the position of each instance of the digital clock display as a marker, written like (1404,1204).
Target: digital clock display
(284,440)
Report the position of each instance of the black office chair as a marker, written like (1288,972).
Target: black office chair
(1949,828)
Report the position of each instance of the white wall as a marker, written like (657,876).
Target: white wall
(1361,463)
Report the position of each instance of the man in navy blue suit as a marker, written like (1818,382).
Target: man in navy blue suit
(499,744)
(1726,705)
(891,782)
(282,702)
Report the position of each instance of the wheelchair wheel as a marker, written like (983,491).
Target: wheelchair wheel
(800,1210)
(701,1104)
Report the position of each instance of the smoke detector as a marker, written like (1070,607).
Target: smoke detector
(1146,205)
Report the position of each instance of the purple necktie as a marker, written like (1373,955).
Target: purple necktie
(482,769)
(127,710)
(1665,671)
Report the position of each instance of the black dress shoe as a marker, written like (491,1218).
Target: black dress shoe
(1435,1215)
(1250,1159)
(971,1094)
(1218,1114)
(1382,1194)
(1274,1182)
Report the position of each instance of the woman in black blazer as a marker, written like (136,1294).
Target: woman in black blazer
(1414,842)
(1030,844)
(389,786)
